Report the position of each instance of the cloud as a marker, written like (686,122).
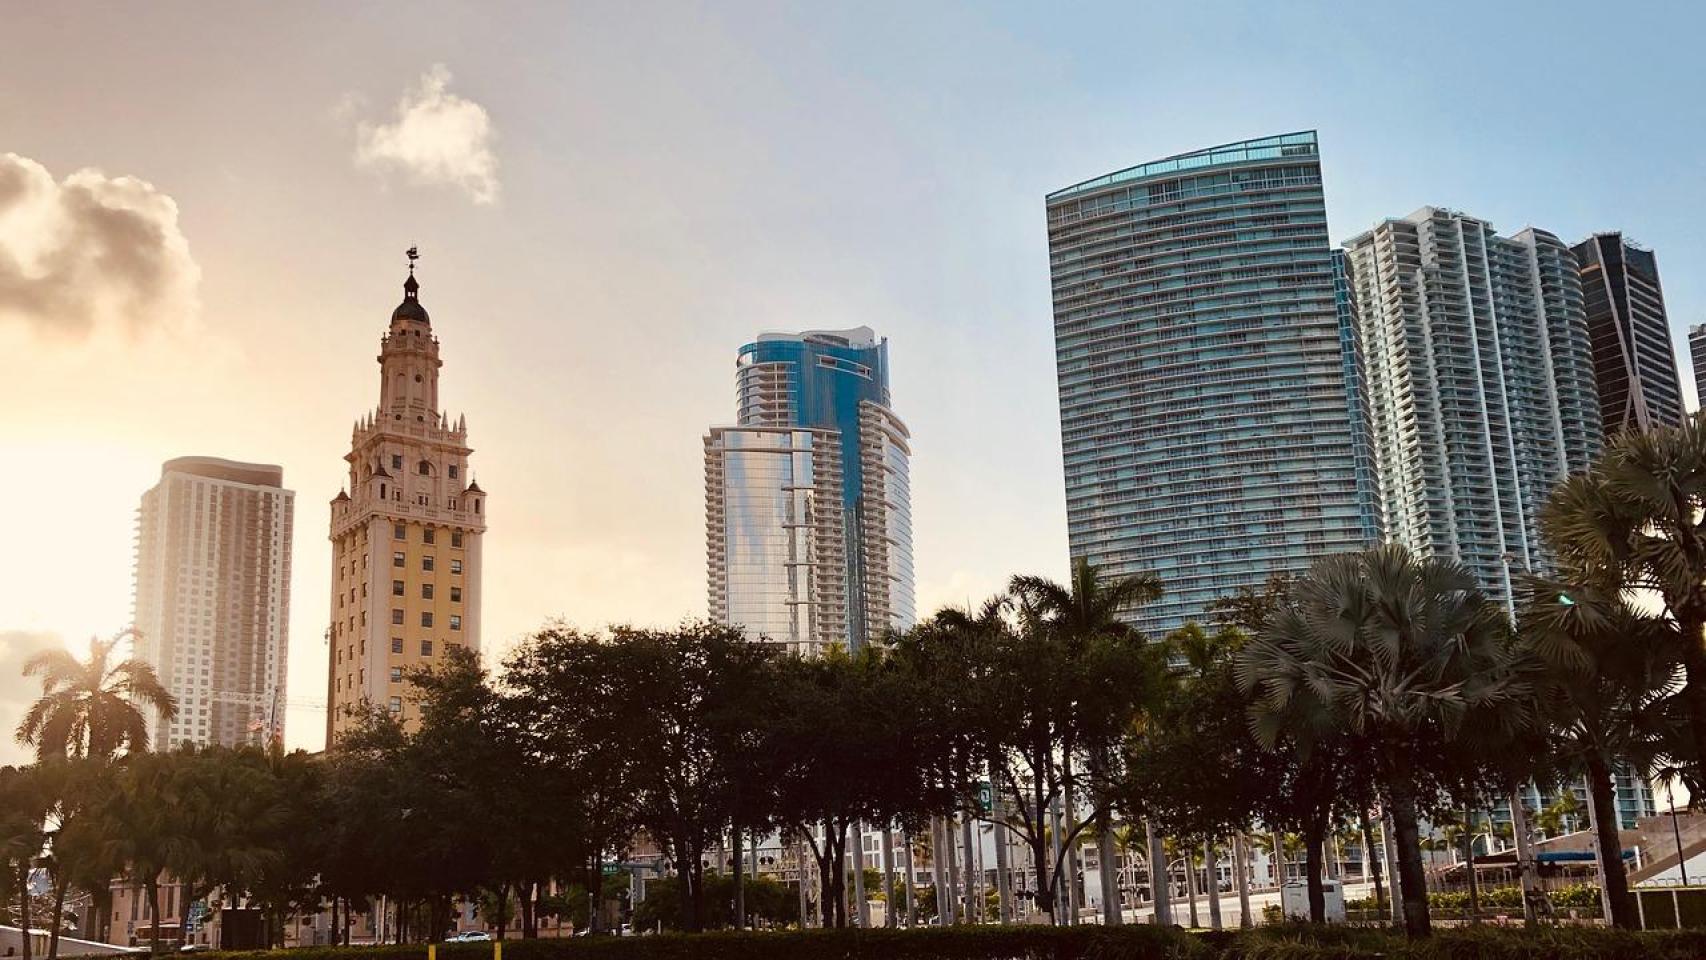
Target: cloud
(17,692)
(436,139)
(91,251)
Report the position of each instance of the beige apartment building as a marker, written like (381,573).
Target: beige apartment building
(212,599)
(405,532)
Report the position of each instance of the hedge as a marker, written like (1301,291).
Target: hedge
(1297,942)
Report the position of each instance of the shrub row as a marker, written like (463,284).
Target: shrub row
(1049,943)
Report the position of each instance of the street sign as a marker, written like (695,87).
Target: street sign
(985,797)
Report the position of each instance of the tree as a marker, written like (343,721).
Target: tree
(1633,523)
(1604,673)
(1397,652)
(1091,607)
(1045,701)
(22,809)
(92,708)
(556,691)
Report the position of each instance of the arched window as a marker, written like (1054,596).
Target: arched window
(425,468)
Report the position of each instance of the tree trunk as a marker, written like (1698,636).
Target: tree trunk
(152,885)
(1694,690)
(59,888)
(24,906)
(739,878)
(1411,883)
(1314,842)
(1160,879)
(1211,868)
(1112,916)
(936,867)
(906,867)
(861,906)
(595,896)
(1003,882)
(1191,884)
(1611,869)
(1241,879)
(1469,867)
(891,904)
(1370,858)
(974,907)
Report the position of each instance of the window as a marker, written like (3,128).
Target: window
(427,535)
(396,588)
(396,615)
(426,591)
(426,618)
(455,622)
(396,674)
(396,461)
(455,594)
(399,532)
(397,559)
(452,471)
(396,704)
(396,644)
(426,648)
(456,538)
(426,563)
(425,469)
(455,566)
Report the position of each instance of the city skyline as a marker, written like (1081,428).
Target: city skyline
(917,215)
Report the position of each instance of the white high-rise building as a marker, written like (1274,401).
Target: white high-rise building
(1481,390)
(212,601)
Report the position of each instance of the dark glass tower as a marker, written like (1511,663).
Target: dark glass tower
(1634,361)
(1208,369)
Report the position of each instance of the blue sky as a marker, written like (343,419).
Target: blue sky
(666,180)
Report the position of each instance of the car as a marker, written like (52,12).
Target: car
(470,936)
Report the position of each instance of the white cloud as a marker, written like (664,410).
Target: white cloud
(436,139)
(91,251)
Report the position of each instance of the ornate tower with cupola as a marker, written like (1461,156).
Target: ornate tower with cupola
(405,532)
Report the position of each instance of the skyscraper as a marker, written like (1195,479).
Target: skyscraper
(1697,356)
(212,601)
(1208,373)
(405,534)
(808,517)
(1481,387)
(1634,360)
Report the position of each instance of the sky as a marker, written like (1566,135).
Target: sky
(204,208)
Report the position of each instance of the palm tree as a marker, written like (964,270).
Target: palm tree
(92,709)
(22,809)
(1605,673)
(1397,653)
(1093,605)
(1632,522)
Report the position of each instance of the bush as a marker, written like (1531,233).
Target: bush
(1282,942)
(953,943)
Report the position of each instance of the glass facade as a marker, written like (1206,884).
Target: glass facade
(808,507)
(1208,372)
(1633,359)
(1480,384)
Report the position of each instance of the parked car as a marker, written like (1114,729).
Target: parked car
(470,936)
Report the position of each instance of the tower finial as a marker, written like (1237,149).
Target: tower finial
(413,253)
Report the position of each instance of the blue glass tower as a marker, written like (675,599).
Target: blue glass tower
(808,516)
(1206,350)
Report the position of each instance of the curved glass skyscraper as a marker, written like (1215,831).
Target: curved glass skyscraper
(807,505)
(1208,366)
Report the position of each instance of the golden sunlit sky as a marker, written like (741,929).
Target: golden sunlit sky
(204,207)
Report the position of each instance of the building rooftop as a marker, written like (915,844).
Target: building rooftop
(235,471)
(1301,144)
(857,337)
